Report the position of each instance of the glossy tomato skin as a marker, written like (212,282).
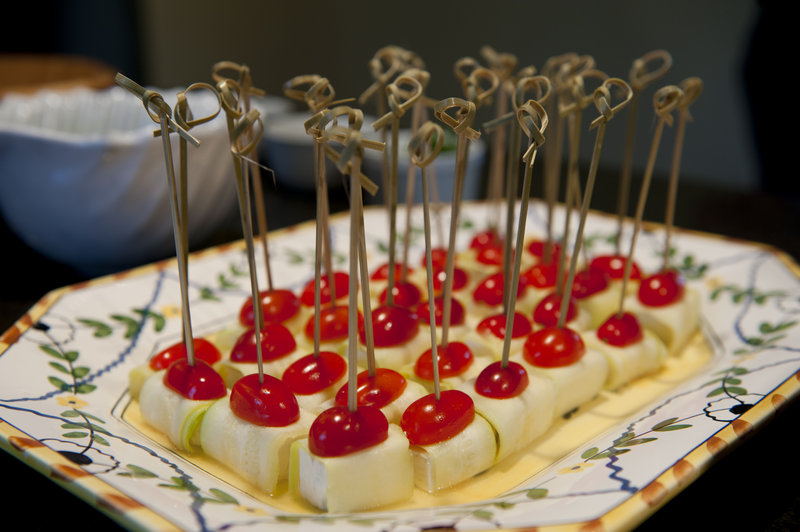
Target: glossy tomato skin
(338,432)
(498,382)
(342,285)
(312,374)
(203,350)
(662,289)
(277,306)
(391,326)
(198,383)
(334,323)
(537,249)
(486,238)
(378,391)
(496,325)
(440,276)
(490,290)
(541,276)
(589,282)
(427,421)
(276,342)
(614,266)
(267,404)
(553,347)
(548,310)
(620,331)
(454,360)
(405,294)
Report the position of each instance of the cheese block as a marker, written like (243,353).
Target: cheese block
(517,420)
(172,414)
(444,464)
(630,362)
(367,479)
(259,454)
(399,356)
(674,324)
(574,384)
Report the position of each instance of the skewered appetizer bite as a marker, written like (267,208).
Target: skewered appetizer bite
(450,443)
(577,374)
(352,461)
(252,430)
(593,291)
(278,351)
(518,404)
(665,305)
(315,379)
(397,337)
(203,350)
(333,329)
(387,390)
(458,362)
(174,401)
(277,306)
(631,350)
(491,332)
(341,288)
(548,312)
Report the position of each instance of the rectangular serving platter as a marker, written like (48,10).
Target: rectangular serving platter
(65,411)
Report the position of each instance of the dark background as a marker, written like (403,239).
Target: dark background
(736,179)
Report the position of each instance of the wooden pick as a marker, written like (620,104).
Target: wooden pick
(317,95)
(603,101)
(401,95)
(245,82)
(350,161)
(240,129)
(161,113)
(423,148)
(184,118)
(503,65)
(532,120)
(644,70)
(418,115)
(691,87)
(465,112)
(559,69)
(573,110)
(665,100)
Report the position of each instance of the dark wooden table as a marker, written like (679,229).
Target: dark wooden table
(753,487)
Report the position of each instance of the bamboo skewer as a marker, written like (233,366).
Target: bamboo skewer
(503,65)
(184,118)
(160,112)
(424,147)
(665,101)
(691,87)
(477,93)
(602,98)
(318,94)
(533,121)
(641,75)
(418,115)
(401,95)
(240,128)
(573,111)
(245,83)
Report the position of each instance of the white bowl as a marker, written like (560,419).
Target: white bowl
(84,180)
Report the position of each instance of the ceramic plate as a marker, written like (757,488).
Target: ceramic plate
(64,371)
